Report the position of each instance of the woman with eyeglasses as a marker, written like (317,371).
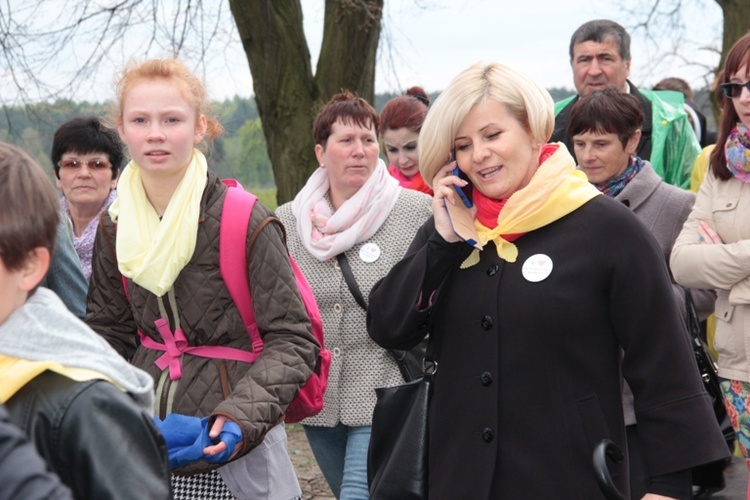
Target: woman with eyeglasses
(713,248)
(86,157)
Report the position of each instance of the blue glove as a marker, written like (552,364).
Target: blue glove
(179,430)
(187,436)
(231,435)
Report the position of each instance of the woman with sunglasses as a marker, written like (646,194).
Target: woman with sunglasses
(713,248)
(86,157)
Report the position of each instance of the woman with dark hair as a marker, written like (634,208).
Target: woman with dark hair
(86,157)
(713,248)
(350,212)
(604,128)
(400,122)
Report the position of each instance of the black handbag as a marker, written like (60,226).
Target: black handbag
(708,476)
(410,362)
(397,467)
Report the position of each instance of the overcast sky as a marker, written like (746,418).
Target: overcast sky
(432,45)
(428,42)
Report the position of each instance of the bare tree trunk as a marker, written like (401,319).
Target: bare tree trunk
(350,44)
(287,95)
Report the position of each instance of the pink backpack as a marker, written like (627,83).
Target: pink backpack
(235,217)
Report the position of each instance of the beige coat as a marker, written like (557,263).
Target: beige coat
(725,206)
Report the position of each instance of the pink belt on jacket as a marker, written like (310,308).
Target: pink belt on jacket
(176,344)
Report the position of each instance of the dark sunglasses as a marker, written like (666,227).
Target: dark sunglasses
(734,90)
(77,164)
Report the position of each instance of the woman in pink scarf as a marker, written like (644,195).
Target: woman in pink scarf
(350,209)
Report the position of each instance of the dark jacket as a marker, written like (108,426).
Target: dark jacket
(23,473)
(528,377)
(255,396)
(663,209)
(94,436)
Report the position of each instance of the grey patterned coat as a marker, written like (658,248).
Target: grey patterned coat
(358,365)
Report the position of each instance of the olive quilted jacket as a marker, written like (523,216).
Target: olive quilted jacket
(255,396)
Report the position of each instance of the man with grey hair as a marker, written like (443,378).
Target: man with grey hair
(600,57)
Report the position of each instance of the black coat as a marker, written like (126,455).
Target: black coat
(528,378)
(23,473)
(94,436)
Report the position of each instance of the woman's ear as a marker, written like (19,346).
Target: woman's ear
(632,146)
(34,269)
(113,182)
(201,125)
(319,150)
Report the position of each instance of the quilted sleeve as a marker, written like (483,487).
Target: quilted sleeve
(259,400)
(108,311)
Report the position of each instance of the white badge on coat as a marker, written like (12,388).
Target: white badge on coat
(369,252)
(537,268)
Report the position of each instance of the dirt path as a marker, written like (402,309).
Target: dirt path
(314,486)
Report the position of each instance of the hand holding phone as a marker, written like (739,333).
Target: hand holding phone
(460,215)
(459,190)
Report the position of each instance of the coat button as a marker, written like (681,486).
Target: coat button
(488,435)
(486,378)
(492,270)
(337,308)
(486,322)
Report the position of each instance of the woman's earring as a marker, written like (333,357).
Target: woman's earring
(322,166)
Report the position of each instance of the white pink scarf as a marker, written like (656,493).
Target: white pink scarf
(326,233)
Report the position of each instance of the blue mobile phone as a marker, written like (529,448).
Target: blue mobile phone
(457,172)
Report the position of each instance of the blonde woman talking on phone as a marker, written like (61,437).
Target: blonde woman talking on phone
(529,331)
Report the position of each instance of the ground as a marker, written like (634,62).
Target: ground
(314,486)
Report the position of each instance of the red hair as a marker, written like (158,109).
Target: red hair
(405,111)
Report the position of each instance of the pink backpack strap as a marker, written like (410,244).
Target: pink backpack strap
(235,217)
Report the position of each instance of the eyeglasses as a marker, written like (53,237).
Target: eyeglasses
(734,90)
(91,164)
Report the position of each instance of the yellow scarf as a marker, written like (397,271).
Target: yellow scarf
(555,190)
(16,373)
(150,251)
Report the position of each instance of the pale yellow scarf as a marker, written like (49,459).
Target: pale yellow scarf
(555,190)
(150,251)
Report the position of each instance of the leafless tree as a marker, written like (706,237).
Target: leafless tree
(36,36)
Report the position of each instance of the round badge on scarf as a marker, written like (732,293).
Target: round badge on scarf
(537,268)
(369,252)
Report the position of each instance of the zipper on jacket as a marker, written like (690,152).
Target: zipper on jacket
(160,402)
(166,388)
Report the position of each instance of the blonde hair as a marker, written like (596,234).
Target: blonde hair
(524,98)
(191,88)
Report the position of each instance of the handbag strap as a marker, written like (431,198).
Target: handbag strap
(346,269)
(429,364)
(692,321)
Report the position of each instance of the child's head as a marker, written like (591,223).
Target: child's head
(174,72)
(28,226)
